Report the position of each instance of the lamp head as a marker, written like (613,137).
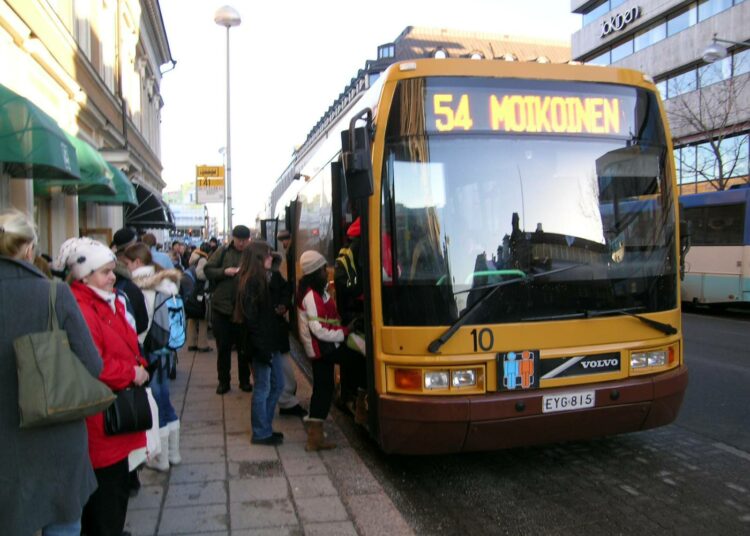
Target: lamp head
(714,52)
(227,16)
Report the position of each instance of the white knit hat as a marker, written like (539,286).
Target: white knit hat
(311,261)
(82,256)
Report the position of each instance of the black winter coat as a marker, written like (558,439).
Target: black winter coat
(281,294)
(261,323)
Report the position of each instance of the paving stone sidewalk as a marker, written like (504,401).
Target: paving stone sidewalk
(225,485)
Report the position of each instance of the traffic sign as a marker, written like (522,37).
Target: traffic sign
(209,184)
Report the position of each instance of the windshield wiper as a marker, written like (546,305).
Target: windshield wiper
(667,329)
(435,345)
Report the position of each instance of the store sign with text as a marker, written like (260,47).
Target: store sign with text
(620,21)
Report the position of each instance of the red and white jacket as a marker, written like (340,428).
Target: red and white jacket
(318,320)
(117,343)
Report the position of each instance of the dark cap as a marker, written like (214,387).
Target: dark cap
(241,232)
(283,235)
(123,238)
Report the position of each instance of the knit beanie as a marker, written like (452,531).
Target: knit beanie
(311,261)
(123,238)
(82,256)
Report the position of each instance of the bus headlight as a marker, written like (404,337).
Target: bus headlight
(463,378)
(639,360)
(436,379)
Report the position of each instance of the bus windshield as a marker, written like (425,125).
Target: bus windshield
(492,180)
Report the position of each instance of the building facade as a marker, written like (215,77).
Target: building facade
(707,102)
(413,43)
(94,67)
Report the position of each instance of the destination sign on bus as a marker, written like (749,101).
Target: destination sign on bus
(514,110)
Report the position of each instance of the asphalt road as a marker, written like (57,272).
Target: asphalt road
(692,477)
(717,352)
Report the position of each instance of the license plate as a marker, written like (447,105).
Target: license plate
(568,401)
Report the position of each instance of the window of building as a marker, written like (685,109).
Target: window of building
(601,59)
(596,12)
(741,62)
(715,72)
(81,9)
(686,168)
(682,83)
(386,51)
(623,50)
(662,87)
(734,156)
(682,20)
(707,166)
(649,36)
(709,8)
(440,54)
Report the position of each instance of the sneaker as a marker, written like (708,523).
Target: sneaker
(271,440)
(222,388)
(277,434)
(297,411)
(247,387)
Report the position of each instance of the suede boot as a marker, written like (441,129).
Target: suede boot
(161,461)
(315,437)
(174,443)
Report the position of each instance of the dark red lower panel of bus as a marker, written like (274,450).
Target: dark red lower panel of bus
(436,425)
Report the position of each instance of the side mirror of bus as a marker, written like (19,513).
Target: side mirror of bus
(357,157)
(684,245)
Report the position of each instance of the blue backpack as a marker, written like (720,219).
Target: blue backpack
(167,331)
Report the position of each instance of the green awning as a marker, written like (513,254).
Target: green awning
(31,143)
(124,191)
(96,176)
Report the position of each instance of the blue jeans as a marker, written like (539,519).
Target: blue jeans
(63,529)
(269,381)
(159,384)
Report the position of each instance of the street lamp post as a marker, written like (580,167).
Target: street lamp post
(715,51)
(227,16)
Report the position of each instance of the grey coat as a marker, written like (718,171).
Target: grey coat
(45,473)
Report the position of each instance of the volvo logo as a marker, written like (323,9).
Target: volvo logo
(618,22)
(563,367)
(600,363)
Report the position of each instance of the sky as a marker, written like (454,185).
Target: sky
(289,60)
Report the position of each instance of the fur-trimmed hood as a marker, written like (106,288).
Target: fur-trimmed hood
(165,281)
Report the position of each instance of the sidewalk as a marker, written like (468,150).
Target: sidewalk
(225,485)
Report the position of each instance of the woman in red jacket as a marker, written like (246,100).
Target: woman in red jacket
(91,266)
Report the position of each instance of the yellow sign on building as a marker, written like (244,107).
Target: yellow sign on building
(209,184)
(209,171)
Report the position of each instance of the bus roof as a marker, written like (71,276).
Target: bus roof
(724,197)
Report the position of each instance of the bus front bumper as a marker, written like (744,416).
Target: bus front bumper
(442,424)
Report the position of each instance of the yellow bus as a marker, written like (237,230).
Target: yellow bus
(520,252)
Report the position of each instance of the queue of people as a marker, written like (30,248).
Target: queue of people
(107,309)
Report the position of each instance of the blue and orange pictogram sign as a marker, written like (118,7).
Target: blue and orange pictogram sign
(519,370)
